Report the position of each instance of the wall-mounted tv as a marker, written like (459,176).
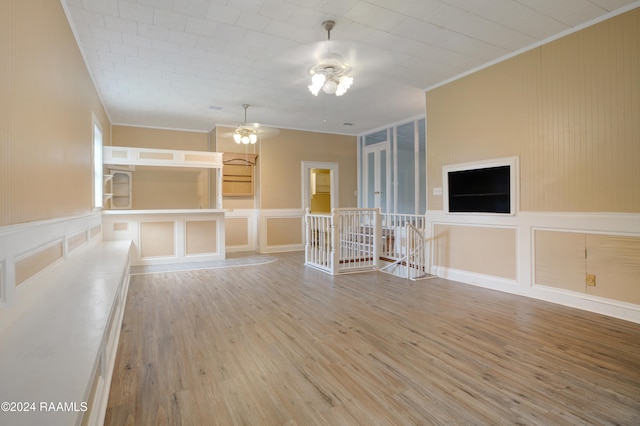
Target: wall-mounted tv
(487,187)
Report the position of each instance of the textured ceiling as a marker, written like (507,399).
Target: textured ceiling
(164,63)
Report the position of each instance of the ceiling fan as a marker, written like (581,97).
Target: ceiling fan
(331,72)
(248,133)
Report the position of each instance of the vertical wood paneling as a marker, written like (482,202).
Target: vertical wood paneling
(569,109)
(7,94)
(46,124)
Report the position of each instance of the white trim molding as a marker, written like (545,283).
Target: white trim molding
(334,177)
(514,183)
(21,241)
(526,223)
(252,229)
(265,215)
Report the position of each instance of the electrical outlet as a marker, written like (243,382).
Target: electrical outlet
(591,280)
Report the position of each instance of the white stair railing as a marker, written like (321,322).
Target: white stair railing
(413,265)
(353,240)
(319,246)
(347,240)
(417,265)
(358,238)
(394,238)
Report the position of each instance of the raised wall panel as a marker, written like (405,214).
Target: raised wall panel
(162,236)
(615,262)
(121,226)
(157,239)
(37,261)
(560,259)
(76,241)
(482,250)
(236,231)
(95,231)
(201,236)
(283,231)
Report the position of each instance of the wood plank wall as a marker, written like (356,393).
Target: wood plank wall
(569,109)
(46,116)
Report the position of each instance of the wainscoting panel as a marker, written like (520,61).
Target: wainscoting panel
(171,236)
(550,250)
(281,230)
(241,230)
(30,249)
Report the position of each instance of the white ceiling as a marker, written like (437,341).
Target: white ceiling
(163,63)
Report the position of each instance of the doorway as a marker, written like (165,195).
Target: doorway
(319,186)
(376,176)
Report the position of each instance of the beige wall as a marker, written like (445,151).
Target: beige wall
(488,251)
(170,188)
(144,137)
(569,109)
(166,187)
(45,115)
(278,170)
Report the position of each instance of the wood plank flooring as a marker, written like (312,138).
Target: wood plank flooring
(281,344)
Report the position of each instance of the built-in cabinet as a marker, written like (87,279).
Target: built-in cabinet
(121,192)
(238,174)
(600,265)
(121,161)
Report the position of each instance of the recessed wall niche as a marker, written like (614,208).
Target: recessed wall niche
(481,187)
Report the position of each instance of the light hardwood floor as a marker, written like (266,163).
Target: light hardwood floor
(281,344)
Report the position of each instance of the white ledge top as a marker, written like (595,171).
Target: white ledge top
(164,211)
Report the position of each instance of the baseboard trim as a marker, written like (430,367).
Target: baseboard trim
(599,305)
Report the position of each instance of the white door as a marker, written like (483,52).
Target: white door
(376,176)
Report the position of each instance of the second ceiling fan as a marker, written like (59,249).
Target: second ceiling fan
(249,132)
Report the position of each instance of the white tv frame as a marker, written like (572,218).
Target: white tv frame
(514,182)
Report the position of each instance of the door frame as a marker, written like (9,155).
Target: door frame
(375,149)
(334,178)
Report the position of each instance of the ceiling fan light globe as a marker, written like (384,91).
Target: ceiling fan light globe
(314,89)
(253,138)
(318,79)
(237,137)
(330,87)
(343,86)
(245,139)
